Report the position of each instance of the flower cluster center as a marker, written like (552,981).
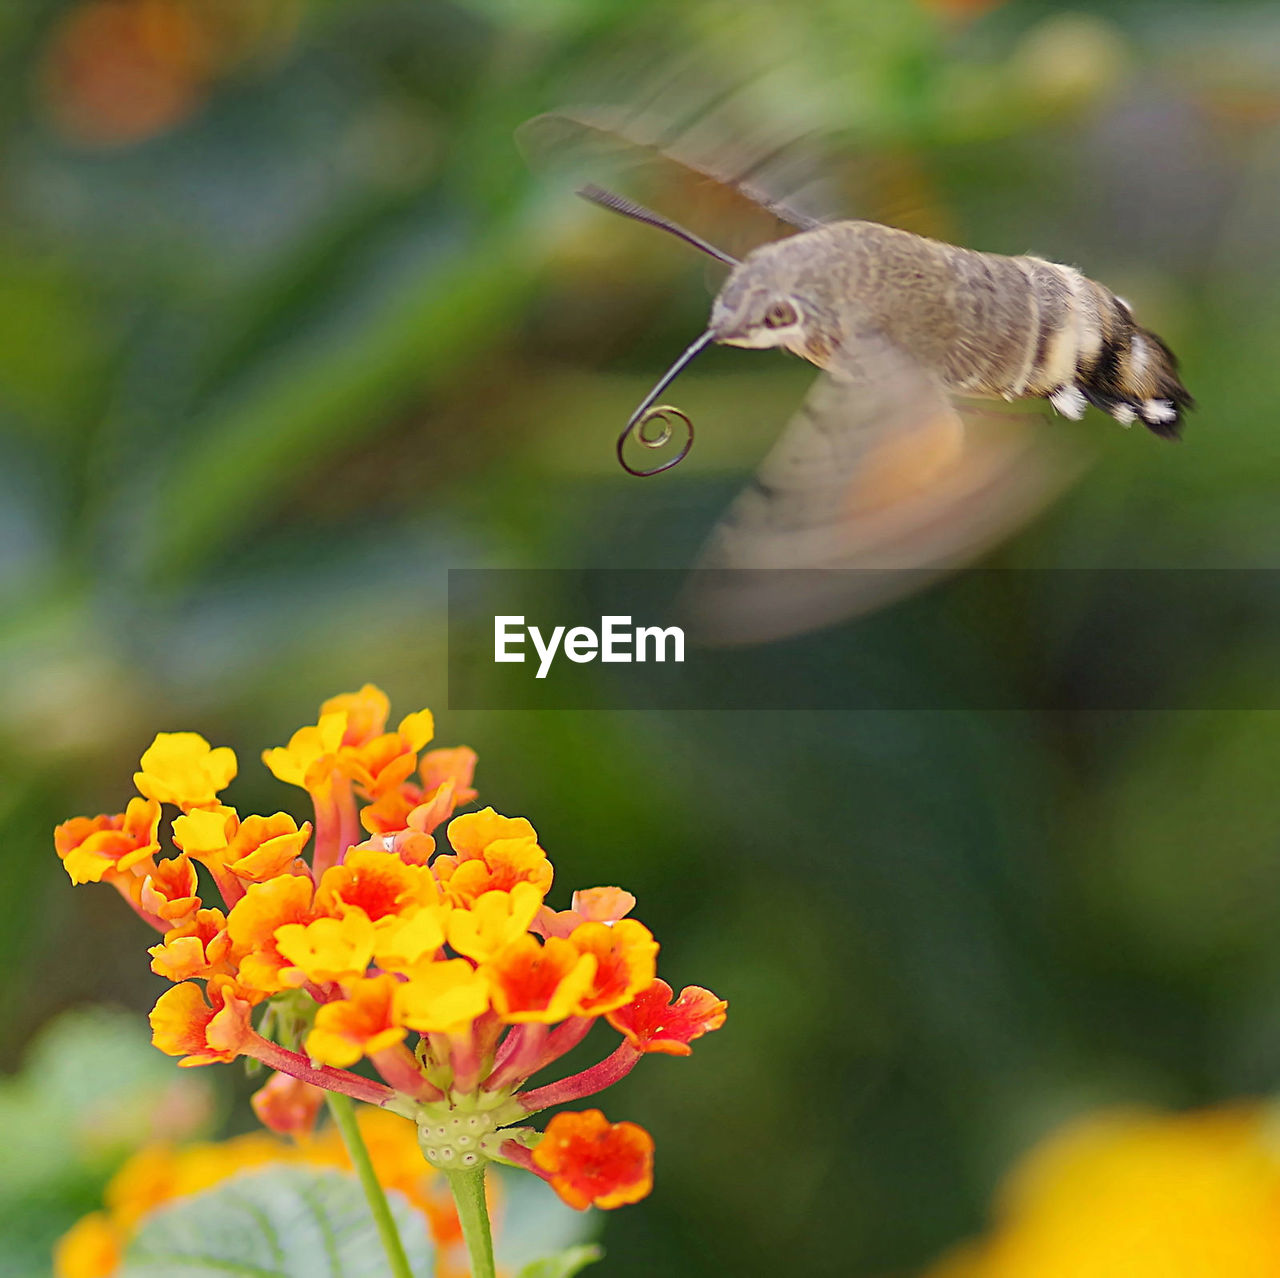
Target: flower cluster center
(452,1139)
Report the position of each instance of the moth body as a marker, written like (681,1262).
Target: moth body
(981,323)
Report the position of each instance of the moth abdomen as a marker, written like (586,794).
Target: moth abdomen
(1134,375)
(1090,350)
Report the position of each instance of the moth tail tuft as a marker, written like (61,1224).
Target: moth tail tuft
(1136,378)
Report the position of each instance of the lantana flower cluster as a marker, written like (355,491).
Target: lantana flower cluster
(411,938)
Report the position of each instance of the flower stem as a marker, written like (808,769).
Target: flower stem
(344,1115)
(473,1215)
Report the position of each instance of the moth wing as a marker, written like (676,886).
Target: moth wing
(743,186)
(880,482)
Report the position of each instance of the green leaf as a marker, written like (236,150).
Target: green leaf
(286,1222)
(564,1265)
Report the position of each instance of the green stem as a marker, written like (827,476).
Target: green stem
(473,1215)
(344,1114)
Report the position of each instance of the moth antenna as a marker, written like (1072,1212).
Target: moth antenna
(628,208)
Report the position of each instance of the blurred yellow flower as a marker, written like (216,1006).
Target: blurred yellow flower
(1139,1195)
(94,1246)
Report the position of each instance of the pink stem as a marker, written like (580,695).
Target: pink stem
(151,920)
(507,1048)
(465,1059)
(399,1068)
(564,1038)
(487,1029)
(297,1065)
(514,1152)
(328,826)
(615,1066)
(228,885)
(350,831)
(530,1043)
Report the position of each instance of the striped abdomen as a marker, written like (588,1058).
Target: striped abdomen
(1011,326)
(1077,344)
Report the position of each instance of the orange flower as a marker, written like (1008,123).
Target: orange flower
(104,847)
(287,1105)
(589,905)
(589,1161)
(252,926)
(183,769)
(626,958)
(471,833)
(653,1023)
(494,854)
(199,947)
(366,712)
(264,847)
(439,767)
(446,783)
(310,758)
(378,883)
(380,765)
(169,891)
(359,1025)
(202,1033)
(389,812)
(536,982)
(118,73)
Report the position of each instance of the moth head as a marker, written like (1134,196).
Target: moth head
(764,304)
(758,316)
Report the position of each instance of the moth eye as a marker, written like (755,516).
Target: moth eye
(780,315)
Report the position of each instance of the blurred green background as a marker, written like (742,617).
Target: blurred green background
(287,329)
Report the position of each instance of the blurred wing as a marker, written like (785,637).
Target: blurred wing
(879,483)
(724,180)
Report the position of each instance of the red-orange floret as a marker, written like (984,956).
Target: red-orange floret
(200,947)
(379,883)
(366,713)
(264,847)
(653,1023)
(537,982)
(498,868)
(252,926)
(457,765)
(287,1105)
(169,891)
(590,1161)
(626,958)
(203,1033)
(105,847)
(362,1024)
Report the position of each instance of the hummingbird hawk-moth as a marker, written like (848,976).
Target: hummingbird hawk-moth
(886,465)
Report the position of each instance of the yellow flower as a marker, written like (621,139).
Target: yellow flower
(89,1249)
(183,769)
(328,949)
(442,998)
(1139,1195)
(493,921)
(311,754)
(157,1174)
